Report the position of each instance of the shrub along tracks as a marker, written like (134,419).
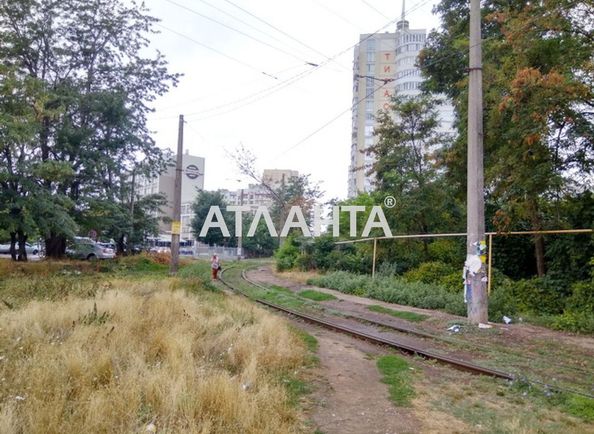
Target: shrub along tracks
(365,326)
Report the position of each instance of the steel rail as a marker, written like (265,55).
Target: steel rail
(410,349)
(456,363)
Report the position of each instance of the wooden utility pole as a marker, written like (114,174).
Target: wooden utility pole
(176,223)
(475,276)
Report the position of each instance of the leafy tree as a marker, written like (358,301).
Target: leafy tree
(200,207)
(262,244)
(537,64)
(406,167)
(92,85)
(296,191)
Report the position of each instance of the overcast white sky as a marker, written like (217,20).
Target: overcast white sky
(227,102)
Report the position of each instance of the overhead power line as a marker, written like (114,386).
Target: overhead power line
(256,96)
(239,85)
(251,26)
(339,115)
(241,32)
(370,6)
(272,26)
(235,59)
(337,15)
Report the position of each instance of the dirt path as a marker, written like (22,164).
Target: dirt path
(349,397)
(518,335)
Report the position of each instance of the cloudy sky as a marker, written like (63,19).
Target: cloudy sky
(248,79)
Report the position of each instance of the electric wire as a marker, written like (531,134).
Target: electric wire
(373,8)
(248,24)
(272,26)
(335,118)
(337,15)
(241,32)
(237,85)
(234,59)
(254,97)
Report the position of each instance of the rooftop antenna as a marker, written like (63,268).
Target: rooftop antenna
(402,24)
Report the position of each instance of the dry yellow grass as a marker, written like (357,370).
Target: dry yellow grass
(185,363)
(297,276)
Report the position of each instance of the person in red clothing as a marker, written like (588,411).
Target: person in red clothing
(215,265)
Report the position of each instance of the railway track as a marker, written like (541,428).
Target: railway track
(392,343)
(412,330)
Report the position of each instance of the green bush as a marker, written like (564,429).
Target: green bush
(540,295)
(582,297)
(305,262)
(574,321)
(387,269)
(287,254)
(450,251)
(429,272)
(453,282)
(394,290)
(346,260)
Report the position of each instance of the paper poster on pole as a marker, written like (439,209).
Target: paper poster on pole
(175,228)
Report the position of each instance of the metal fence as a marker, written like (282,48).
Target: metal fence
(490,235)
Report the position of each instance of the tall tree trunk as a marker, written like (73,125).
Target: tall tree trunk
(121,245)
(539,251)
(13,240)
(55,246)
(22,256)
(539,246)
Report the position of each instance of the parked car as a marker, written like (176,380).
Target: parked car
(110,245)
(29,248)
(86,248)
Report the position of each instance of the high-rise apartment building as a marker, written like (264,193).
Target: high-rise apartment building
(384,65)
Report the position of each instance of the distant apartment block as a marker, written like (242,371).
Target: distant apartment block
(256,195)
(384,65)
(276,177)
(192,183)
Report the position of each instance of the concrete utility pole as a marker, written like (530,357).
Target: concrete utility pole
(176,223)
(240,236)
(475,276)
(132,197)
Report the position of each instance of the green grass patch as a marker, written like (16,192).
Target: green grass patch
(395,371)
(579,406)
(316,295)
(409,316)
(296,388)
(310,341)
(280,289)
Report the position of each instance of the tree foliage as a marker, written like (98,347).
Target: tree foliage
(538,99)
(75,89)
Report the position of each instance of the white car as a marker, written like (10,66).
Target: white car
(29,248)
(86,248)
